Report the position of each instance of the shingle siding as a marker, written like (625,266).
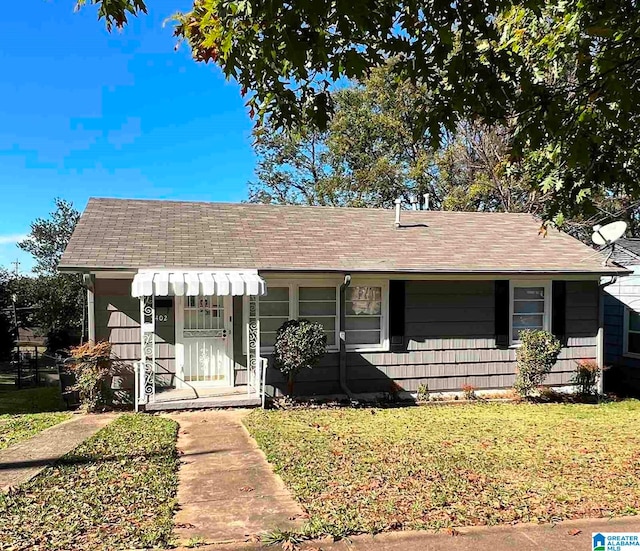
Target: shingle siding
(448,355)
(445,355)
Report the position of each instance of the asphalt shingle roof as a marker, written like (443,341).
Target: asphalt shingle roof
(133,234)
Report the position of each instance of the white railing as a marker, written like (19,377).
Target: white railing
(143,390)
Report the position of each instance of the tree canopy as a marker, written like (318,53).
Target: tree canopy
(564,76)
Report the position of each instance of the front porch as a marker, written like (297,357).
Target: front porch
(209,371)
(192,398)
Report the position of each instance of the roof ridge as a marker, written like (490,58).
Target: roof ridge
(301,206)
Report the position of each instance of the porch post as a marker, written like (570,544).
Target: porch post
(147,390)
(254,365)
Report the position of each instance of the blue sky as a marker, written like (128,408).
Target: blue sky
(87,113)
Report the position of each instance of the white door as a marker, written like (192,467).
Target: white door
(206,338)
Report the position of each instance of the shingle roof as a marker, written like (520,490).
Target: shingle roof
(121,234)
(627,251)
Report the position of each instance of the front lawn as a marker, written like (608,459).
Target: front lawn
(24,413)
(367,470)
(115,491)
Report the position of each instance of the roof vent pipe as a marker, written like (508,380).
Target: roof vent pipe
(414,202)
(426,201)
(398,203)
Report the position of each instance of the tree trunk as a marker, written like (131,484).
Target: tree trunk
(290,382)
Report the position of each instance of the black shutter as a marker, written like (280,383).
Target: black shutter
(559,309)
(502,312)
(396,313)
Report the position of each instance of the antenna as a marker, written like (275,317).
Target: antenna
(608,234)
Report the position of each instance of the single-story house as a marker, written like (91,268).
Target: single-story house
(192,294)
(622,319)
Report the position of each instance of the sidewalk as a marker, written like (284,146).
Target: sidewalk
(564,536)
(227,491)
(24,460)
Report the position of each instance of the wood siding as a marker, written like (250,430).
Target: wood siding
(450,342)
(117,316)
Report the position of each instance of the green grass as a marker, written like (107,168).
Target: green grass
(24,413)
(30,400)
(370,470)
(115,491)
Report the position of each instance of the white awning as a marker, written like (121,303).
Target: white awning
(162,283)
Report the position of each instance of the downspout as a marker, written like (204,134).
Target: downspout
(343,338)
(600,337)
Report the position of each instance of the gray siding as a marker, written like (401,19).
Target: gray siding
(450,342)
(117,316)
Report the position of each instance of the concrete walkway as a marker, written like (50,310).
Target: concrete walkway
(24,460)
(565,536)
(227,491)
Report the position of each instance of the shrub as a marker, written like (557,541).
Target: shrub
(469,392)
(586,377)
(536,356)
(92,363)
(423,392)
(299,344)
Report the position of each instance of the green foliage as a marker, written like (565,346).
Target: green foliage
(57,299)
(536,356)
(370,470)
(92,364)
(115,491)
(300,344)
(115,12)
(586,377)
(423,393)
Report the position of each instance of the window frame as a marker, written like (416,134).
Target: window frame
(383,346)
(625,337)
(546,317)
(294,296)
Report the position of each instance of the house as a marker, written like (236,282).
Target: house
(191,296)
(622,319)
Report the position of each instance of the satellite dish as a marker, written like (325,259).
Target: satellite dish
(610,233)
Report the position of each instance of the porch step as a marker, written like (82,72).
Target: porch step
(232,401)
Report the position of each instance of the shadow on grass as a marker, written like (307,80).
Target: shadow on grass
(94,459)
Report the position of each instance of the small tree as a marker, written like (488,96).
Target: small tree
(92,364)
(299,344)
(537,355)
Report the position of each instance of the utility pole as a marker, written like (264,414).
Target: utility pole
(15,324)
(16,269)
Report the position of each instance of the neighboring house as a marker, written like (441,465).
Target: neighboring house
(622,319)
(437,300)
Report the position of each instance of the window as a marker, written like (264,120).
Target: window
(529,308)
(364,310)
(633,332)
(319,304)
(204,313)
(274,311)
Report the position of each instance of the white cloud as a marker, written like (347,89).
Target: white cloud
(11,238)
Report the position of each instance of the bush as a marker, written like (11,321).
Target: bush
(586,377)
(469,392)
(92,364)
(299,345)
(537,355)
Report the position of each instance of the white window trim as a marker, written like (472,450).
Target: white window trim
(384,317)
(625,337)
(294,286)
(546,319)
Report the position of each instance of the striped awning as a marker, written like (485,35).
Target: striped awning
(162,283)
